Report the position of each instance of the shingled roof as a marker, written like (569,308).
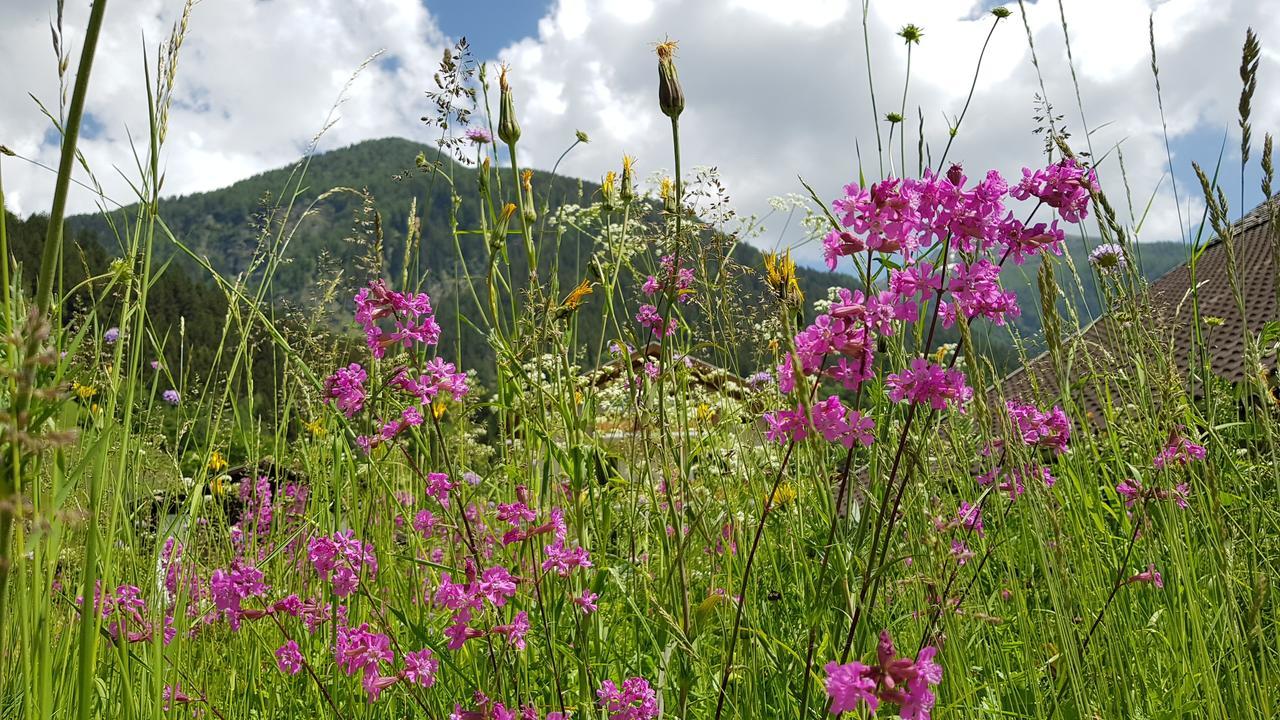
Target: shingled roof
(1100,345)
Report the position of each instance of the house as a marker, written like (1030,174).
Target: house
(1098,357)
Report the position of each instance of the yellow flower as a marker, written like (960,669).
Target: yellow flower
(704,412)
(575,298)
(610,182)
(780,270)
(783,495)
(438,410)
(314,427)
(84,392)
(216,461)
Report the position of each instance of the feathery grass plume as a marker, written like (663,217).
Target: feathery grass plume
(1268,172)
(1249,84)
(973,364)
(1050,321)
(508,126)
(670,94)
(1164,126)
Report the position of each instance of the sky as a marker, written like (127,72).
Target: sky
(775,91)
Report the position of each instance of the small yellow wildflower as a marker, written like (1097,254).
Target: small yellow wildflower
(579,293)
(216,461)
(84,392)
(438,410)
(314,427)
(783,495)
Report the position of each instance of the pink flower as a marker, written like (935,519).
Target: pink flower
(1150,575)
(1178,451)
(848,685)
(438,487)
(786,425)
(361,650)
(635,700)
(515,630)
(1038,429)
(1065,186)
(420,667)
(346,386)
(374,684)
(288,659)
(970,517)
(586,601)
(925,382)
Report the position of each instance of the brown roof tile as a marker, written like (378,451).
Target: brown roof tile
(1099,353)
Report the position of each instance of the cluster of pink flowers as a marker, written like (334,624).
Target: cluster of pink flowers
(1065,186)
(341,559)
(361,651)
(683,279)
(125,614)
(410,315)
(900,681)
(829,418)
(634,700)
(1178,450)
(1050,429)
(650,319)
(903,216)
(346,387)
(927,383)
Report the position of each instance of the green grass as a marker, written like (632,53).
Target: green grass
(726,575)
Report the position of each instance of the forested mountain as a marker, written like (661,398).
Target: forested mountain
(351,215)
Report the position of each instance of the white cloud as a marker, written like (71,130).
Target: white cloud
(255,83)
(774,89)
(780,89)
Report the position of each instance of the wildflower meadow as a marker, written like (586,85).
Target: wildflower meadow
(549,449)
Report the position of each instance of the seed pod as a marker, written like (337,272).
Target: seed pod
(628,189)
(508,127)
(670,95)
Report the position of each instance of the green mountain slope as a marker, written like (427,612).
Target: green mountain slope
(335,238)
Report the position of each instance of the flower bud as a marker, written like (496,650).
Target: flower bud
(668,193)
(526,182)
(670,95)
(484,177)
(608,190)
(628,190)
(508,127)
(581,136)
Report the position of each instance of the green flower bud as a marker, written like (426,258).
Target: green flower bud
(526,182)
(670,95)
(582,136)
(508,127)
(628,190)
